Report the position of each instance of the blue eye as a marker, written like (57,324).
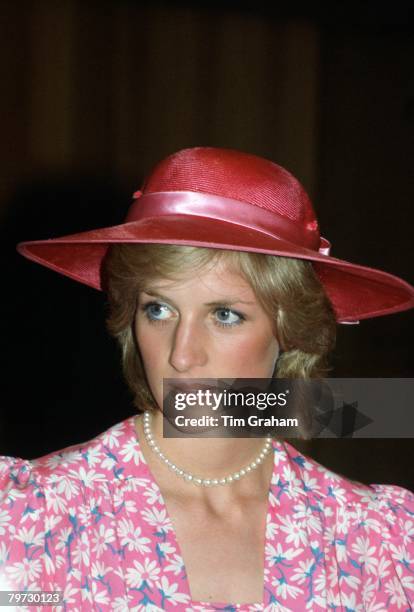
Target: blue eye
(231,322)
(153,310)
(228,318)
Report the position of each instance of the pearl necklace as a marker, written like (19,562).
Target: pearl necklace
(204,482)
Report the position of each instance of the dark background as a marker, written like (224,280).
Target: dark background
(94,93)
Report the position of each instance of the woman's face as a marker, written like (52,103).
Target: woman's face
(207,325)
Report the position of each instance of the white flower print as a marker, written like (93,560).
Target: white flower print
(371,524)
(333,599)
(337,492)
(157,518)
(51,521)
(64,485)
(276,554)
(170,593)
(98,595)
(368,523)
(55,502)
(327,511)
(365,554)
(56,461)
(342,521)
(111,437)
(327,474)
(97,527)
(289,475)
(30,537)
(4,552)
(305,463)
(84,514)
(311,484)
(408,532)
(130,451)
(121,604)
(119,571)
(131,537)
(152,493)
(272,528)
(69,593)
(148,572)
(63,538)
(375,607)
(277,607)
(133,485)
(350,603)
(81,549)
(279,456)
(166,548)
(108,463)
(93,456)
(366,495)
(395,590)
(399,553)
(51,563)
(274,500)
(302,571)
(5,519)
(149,607)
(90,512)
(22,572)
(143,483)
(304,511)
(369,589)
(352,581)
(316,600)
(101,538)
(87,477)
(296,533)
(176,565)
(285,590)
(342,550)
(10,495)
(131,506)
(99,570)
(320,582)
(407,580)
(383,568)
(67,457)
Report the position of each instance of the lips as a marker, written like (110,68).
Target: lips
(191,387)
(205,383)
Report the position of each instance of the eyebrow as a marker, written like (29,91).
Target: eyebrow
(228,301)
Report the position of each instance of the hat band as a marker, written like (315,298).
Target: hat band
(194,203)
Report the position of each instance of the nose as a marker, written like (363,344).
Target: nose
(188,350)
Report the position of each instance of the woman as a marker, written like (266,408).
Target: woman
(219,271)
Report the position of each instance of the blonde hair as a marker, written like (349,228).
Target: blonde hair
(288,290)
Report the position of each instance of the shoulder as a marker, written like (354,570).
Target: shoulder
(50,503)
(57,479)
(362,534)
(102,458)
(336,496)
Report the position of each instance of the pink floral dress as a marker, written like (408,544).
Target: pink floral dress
(90,521)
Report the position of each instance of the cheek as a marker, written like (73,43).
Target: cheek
(259,348)
(148,346)
(263,347)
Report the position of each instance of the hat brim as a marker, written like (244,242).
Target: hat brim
(356,292)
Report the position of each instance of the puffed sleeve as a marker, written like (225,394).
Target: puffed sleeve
(374,550)
(396,505)
(22,526)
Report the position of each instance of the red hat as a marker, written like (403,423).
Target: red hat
(226,199)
